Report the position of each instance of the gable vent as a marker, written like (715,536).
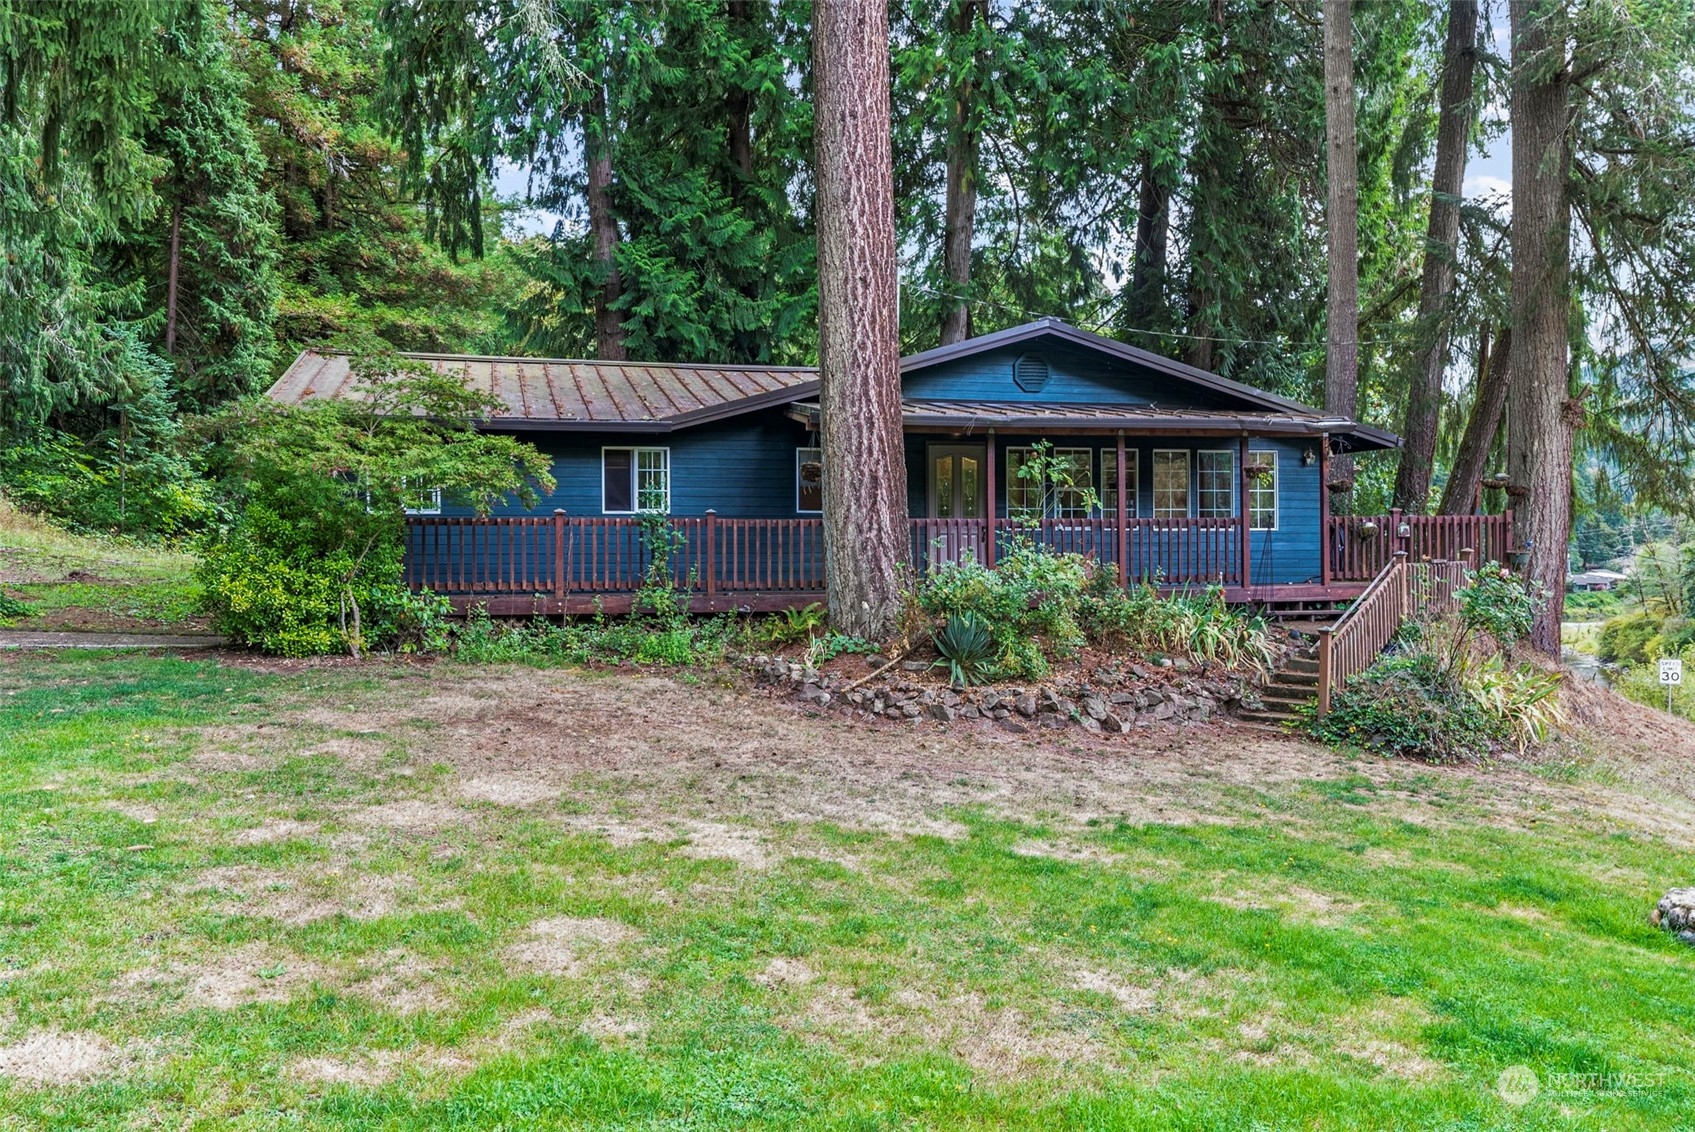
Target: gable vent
(1030,373)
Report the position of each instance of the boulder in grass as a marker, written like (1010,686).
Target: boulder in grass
(1676,914)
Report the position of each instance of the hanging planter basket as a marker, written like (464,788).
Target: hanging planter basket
(1367,529)
(1259,473)
(812,471)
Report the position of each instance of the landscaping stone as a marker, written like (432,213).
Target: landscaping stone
(1026,705)
(1113,725)
(1676,914)
(941,712)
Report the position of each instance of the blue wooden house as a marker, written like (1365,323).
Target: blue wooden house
(1174,475)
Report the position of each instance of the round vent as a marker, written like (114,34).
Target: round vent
(1030,373)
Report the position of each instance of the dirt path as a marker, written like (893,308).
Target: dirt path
(32,639)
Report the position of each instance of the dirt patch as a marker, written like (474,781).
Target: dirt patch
(247,975)
(53,1057)
(400,982)
(412,816)
(1135,999)
(713,840)
(605,1027)
(565,946)
(781,972)
(510,790)
(294,900)
(375,1068)
(271,832)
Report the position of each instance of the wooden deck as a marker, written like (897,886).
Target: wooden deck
(560,564)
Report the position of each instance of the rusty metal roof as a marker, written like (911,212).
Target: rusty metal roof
(570,394)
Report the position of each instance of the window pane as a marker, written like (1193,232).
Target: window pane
(1215,484)
(944,487)
(1171,485)
(1262,492)
(1023,496)
(809,478)
(653,479)
(1109,482)
(616,481)
(968,487)
(1073,480)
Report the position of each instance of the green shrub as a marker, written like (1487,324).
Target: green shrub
(593,640)
(1625,640)
(967,649)
(310,558)
(1032,598)
(1499,603)
(11,608)
(1407,706)
(141,491)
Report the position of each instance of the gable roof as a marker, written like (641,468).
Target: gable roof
(567,394)
(562,394)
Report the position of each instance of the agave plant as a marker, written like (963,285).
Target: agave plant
(967,648)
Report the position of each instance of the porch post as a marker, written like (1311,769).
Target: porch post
(991,507)
(559,556)
(1324,504)
(1123,512)
(1242,512)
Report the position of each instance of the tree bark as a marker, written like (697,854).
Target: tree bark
(739,102)
(865,527)
(171,278)
(603,231)
(1453,132)
(1541,415)
(960,213)
(1341,213)
(1494,371)
(1153,228)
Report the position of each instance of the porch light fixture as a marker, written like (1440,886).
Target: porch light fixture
(1404,529)
(1309,458)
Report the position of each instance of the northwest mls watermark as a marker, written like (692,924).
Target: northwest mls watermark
(1518,1085)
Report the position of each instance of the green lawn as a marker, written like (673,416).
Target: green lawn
(407,898)
(71,582)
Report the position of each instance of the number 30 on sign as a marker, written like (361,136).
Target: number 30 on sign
(1671,672)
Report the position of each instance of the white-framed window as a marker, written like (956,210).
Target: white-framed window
(1215,484)
(1262,492)
(809,480)
(1064,496)
(634,480)
(414,501)
(1109,482)
(420,501)
(1171,483)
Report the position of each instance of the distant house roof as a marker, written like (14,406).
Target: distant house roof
(568,394)
(575,395)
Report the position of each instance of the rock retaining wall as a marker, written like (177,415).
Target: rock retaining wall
(1112,701)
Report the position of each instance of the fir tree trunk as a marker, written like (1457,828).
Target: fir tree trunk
(739,103)
(1153,228)
(1541,415)
(1453,132)
(603,231)
(961,206)
(1494,372)
(171,274)
(865,528)
(1341,370)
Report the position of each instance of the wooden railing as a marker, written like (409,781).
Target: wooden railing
(1361,546)
(1402,590)
(1169,551)
(562,555)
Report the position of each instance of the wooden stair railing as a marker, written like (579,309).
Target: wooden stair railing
(1401,590)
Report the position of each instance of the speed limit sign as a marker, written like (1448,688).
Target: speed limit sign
(1671,672)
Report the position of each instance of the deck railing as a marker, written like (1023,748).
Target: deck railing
(1361,546)
(561,555)
(1401,591)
